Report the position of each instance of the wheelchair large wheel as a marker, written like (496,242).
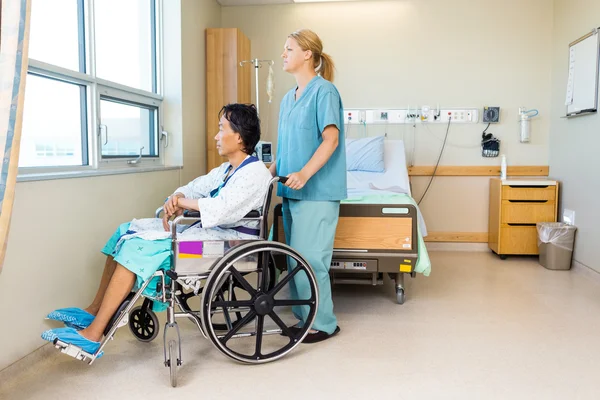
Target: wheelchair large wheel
(261,335)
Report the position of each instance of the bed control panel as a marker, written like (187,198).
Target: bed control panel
(354,265)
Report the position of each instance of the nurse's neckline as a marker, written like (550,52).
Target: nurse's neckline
(312,80)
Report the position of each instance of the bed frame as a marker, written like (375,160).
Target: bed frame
(371,239)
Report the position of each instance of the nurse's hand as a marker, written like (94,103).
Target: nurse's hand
(296,181)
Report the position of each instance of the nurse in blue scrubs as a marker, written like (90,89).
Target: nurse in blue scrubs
(311,153)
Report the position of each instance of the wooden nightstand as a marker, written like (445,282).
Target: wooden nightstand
(516,205)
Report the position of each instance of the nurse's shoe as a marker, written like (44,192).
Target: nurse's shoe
(320,336)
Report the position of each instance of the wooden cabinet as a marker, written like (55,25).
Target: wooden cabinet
(516,205)
(226,81)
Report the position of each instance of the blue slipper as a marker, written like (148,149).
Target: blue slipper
(71,336)
(72,317)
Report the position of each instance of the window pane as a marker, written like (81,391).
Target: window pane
(126,128)
(125,42)
(57,33)
(53,124)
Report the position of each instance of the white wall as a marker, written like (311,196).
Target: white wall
(53,258)
(59,227)
(574,142)
(459,53)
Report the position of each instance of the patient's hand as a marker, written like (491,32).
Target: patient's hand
(166,218)
(171,205)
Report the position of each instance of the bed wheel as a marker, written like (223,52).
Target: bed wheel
(400,296)
(503,256)
(143,323)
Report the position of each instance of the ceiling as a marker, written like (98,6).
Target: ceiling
(267,2)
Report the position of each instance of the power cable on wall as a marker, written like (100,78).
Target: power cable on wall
(438,162)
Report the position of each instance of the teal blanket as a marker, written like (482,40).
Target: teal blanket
(423,263)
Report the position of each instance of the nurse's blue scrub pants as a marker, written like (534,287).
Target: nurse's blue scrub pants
(310,229)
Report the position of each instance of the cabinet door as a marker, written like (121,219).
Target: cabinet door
(518,240)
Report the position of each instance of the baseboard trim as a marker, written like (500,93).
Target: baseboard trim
(457,237)
(441,246)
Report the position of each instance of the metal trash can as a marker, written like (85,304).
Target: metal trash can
(556,241)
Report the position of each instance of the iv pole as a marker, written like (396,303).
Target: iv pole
(256,62)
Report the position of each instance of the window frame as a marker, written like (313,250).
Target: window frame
(97,88)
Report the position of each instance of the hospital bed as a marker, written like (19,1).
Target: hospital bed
(380,228)
(239,297)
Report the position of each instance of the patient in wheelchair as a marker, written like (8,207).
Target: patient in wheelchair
(141,247)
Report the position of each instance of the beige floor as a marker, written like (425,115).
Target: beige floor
(477,328)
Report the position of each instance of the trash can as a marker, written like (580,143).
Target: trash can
(556,241)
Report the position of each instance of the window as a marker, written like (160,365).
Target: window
(92,96)
(56,130)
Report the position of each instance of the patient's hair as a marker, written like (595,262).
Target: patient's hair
(322,63)
(244,120)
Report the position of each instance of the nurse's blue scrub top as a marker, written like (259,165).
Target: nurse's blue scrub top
(301,124)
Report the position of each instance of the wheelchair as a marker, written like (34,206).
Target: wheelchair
(238,291)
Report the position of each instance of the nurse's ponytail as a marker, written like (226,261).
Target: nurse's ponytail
(326,67)
(322,62)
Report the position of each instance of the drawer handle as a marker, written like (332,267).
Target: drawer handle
(528,201)
(516,224)
(528,186)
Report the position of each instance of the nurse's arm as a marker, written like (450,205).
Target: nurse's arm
(324,151)
(273,169)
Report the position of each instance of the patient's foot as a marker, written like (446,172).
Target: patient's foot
(91,334)
(73,317)
(92,309)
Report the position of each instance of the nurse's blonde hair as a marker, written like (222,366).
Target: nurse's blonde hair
(322,63)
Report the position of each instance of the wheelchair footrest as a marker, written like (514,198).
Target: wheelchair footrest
(74,351)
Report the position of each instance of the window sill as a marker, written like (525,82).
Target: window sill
(92,173)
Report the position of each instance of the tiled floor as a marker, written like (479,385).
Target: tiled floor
(477,328)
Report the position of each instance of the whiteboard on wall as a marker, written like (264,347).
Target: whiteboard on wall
(582,84)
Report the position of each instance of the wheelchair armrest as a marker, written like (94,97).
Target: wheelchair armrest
(191,214)
(196,214)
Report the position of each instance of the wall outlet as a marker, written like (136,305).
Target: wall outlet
(568,216)
(351,116)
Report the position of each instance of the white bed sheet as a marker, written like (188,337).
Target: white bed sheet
(394,181)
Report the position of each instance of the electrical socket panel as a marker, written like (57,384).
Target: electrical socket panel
(466,116)
(409,116)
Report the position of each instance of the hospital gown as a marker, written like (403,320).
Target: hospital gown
(143,246)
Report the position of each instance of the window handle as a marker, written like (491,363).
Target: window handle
(164,134)
(100,132)
(138,159)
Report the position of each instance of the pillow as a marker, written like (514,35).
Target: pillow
(365,154)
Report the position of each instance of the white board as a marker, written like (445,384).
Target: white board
(582,84)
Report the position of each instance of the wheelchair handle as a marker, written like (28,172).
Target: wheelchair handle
(282,179)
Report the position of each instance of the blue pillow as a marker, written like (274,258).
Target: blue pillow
(365,154)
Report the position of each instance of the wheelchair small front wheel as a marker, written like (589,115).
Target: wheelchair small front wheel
(173,362)
(143,323)
(263,334)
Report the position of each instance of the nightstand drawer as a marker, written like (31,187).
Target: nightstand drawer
(520,212)
(518,240)
(529,193)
